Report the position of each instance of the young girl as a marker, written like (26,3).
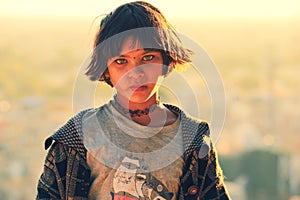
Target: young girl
(133,147)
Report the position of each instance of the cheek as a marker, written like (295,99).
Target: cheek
(154,71)
(116,77)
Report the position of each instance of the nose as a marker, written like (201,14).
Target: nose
(136,71)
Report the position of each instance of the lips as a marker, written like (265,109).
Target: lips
(137,88)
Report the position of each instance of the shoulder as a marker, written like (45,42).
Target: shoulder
(195,132)
(70,133)
(189,122)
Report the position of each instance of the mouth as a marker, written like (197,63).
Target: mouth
(138,88)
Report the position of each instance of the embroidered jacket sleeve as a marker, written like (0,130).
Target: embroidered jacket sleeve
(210,175)
(65,175)
(202,175)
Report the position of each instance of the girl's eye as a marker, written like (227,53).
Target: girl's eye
(120,61)
(148,57)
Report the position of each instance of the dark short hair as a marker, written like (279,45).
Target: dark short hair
(144,23)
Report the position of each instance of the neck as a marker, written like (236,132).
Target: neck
(131,105)
(146,113)
(136,111)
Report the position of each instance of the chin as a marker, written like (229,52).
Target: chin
(141,96)
(138,99)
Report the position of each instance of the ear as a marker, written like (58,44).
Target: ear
(106,74)
(106,77)
(167,69)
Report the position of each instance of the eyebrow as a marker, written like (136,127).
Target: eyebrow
(145,52)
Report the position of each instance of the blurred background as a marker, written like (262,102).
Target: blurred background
(255,45)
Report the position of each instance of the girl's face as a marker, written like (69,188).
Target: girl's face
(135,72)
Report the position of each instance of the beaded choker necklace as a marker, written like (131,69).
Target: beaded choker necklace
(133,113)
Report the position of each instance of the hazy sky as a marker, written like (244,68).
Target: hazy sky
(171,8)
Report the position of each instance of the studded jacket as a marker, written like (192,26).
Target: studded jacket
(66,173)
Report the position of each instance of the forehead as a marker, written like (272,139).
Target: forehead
(130,44)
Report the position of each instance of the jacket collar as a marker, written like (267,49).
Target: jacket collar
(70,134)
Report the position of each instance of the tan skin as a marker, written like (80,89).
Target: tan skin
(134,74)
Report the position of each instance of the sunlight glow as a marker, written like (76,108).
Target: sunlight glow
(174,8)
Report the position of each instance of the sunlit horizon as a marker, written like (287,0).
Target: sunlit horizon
(175,8)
